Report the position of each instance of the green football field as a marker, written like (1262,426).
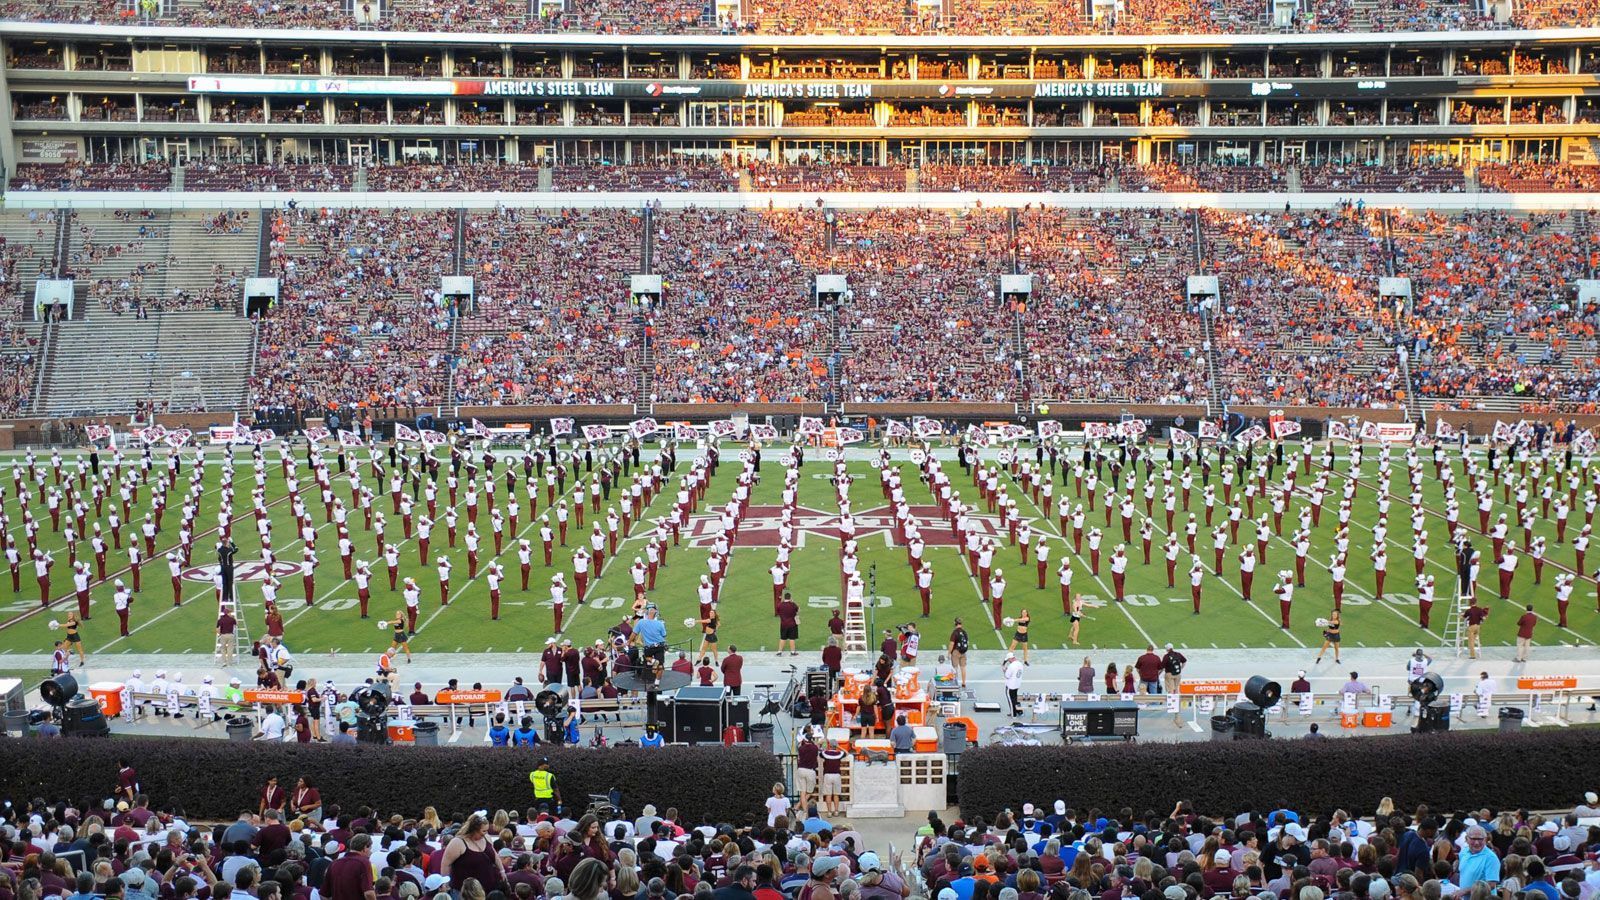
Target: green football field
(1152,613)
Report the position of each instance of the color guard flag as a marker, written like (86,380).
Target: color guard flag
(349,438)
(560,426)
(926,428)
(1339,431)
(316,434)
(763,433)
(721,428)
(897,430)
(1282,428)
(810,425)
(405,433)
(1179,437)
(643,427)
(851,436)
(1250,435)
(685,432)
(1209,429)
(1013,432)
(481,430)
(432,439)
(596,432)
(1445,431)
(262,435)
(1049,428)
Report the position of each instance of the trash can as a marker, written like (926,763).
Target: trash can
(1510,718)
(15,723)
(1222,728)
(425,734)
(955,738)
(761,735)
(239,728)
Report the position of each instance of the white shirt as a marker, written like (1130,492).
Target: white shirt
(776,806)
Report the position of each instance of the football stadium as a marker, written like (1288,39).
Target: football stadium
(951,449)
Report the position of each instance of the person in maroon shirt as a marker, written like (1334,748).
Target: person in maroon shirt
(833,657)
(836,624)
(708,675)
(274,835)
(272,796)
(788,624)
(1474,616)
(1149,668)
(350,876)
(127,781)
(1525,633)
(733,670)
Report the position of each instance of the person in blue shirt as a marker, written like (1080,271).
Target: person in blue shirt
(499,734)
(652,737)
(1479,862)
(571,726)
(1539,880)
(525,736)
(815,824)
(652,634)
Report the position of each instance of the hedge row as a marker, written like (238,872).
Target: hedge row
(1544,769)
(211,778)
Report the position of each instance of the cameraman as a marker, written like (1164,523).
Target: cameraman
(1172,663)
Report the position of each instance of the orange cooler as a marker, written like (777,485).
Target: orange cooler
(109,695)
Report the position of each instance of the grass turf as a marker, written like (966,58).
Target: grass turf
(1152,613)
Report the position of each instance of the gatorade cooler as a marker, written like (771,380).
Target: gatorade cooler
(1349,720)
(1376,719)
(109,695)
(402,734)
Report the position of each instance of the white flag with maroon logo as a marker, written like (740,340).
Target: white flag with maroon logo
(1444,431)
(1210,429)
(1282,428)
(1339,431)
(596,432)
(1134,428)
(1369,431)
(178,438)
(481,430)
(1049,428)
(851,436)
(405,433)
(721,428)
(1011,432)
(644,427)
(97,432)
(560,425)
(1583,443)
(1179,437)
(432,439)
(977,436)
(349,439)
(809,426)
(685,432)
(763,432)
(1250,435)
(316,434)
(894,429)
(926,428)
(263,435)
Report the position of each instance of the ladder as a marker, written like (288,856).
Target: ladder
(1455,635)
(855,626)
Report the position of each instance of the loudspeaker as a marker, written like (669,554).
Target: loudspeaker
(58,690)
(695,721)
(1435,717)
(738,713)
(82,718)
(1263,692)
(373,699)
(1428,689)
(1249,722)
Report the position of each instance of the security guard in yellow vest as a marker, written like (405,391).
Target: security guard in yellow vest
(544,784)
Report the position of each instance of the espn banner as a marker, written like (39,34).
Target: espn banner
(1389,432)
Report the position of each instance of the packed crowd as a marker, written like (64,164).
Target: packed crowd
(359,321)
(292,841)
(816,175)
(1300,321)
(923,320)
(552,321)
(739,323)
(1494,310)
(1108,320)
